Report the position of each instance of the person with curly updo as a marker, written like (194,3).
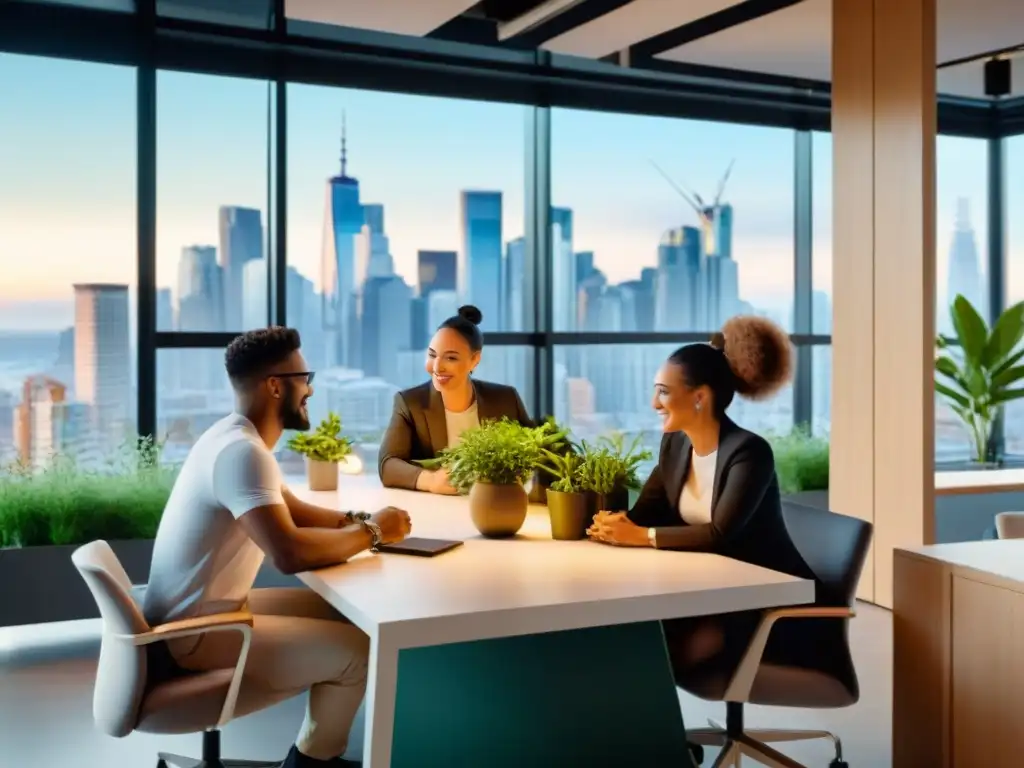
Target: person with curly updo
(714,488)
(432,416)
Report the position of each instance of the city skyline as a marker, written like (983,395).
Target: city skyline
(621,205)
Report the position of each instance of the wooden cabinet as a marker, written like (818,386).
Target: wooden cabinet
(958,656)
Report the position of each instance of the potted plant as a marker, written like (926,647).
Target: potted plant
(491,462)
(618,466)
(802,466)
(981,371)
(570,506)
(554,441)
(324,448)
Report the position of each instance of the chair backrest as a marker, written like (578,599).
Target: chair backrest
(833,546)
(1010,525)
(121,675)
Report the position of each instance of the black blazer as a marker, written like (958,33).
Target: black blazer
(746,508)
(418,430)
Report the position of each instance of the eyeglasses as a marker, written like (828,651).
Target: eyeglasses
(295,375)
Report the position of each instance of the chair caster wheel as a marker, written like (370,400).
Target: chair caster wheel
(697,751)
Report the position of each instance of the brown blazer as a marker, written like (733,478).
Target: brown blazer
(746,507)
(418,431)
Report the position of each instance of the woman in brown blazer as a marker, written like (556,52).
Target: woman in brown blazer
(430,417)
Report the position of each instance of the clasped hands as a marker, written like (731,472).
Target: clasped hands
(617,529)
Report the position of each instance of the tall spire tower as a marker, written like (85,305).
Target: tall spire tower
(344,147)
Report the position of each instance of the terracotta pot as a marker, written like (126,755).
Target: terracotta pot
(322,475)
(498,511)
(571,514)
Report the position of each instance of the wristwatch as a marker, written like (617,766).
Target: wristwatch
(652,537)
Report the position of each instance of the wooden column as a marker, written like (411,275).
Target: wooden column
(883,137)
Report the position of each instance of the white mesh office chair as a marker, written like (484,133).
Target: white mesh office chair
(133,693)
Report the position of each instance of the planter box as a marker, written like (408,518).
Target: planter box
(41,584)
(817,499)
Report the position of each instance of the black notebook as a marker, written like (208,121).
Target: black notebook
(420,547)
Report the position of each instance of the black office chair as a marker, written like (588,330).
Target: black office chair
(834,548)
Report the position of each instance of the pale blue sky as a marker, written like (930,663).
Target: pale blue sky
(67,178)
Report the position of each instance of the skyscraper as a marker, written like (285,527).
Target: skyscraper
(435,271)
(964,269)
(200,290)
(343,220)
(385,323)
(479,269)
(241,242)
(514,298)
(102,358)
(565,282)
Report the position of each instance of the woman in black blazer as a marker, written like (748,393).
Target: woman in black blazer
(430,417)
(714,488)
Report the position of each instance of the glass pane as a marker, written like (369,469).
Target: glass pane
(961,252)
(668,225)
(193,392)
(821,390)
(821,233)
(1013,429)
(67,256)
(211,202)
(605,388)
(400,208)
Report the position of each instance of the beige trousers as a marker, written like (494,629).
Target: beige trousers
(299,643)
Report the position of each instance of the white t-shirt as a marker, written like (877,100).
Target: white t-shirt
(203,560)
(457,423)
(695,499)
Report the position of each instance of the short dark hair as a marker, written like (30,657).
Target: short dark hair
(467,324)
(251,355)
(751,356)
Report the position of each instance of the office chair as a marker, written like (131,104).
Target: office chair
(1010,525)
(138,689)
(834,548)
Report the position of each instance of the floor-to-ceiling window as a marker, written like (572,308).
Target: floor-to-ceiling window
(68,260)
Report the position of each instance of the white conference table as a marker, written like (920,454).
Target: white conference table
(530,585)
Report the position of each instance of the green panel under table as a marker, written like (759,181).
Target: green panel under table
(590,698)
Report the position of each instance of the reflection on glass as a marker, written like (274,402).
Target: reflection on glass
(211,201)
(669,225)
(67,256)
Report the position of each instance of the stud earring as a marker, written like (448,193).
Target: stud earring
(697,406)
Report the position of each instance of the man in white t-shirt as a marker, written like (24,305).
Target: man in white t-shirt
(228,510)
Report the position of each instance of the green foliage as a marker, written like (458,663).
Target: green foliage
(801,461)
(626,461)
(65,503)
(977,382)
(566,469)
(499,452)
(325,443)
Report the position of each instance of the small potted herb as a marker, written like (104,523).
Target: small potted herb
(491,462)
(570,506)
(618,465)
(324,448)
(554,440)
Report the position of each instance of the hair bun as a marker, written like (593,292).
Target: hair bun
(470,313)
(759,353)
(718,340)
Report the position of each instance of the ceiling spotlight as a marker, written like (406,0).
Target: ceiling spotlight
(997,77)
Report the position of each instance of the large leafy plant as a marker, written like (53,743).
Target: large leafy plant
(984,373)
(325,443)
(498,452)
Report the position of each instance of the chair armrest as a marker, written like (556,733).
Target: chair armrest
(743,678)
(236,621)
(198,625)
